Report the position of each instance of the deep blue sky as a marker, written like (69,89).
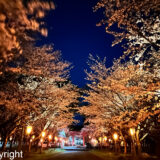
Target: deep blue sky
(72,29)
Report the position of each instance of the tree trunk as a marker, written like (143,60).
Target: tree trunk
(125,144)
(138,142)
(41,148)
(4,142)
(118,148)
(29,147)
(125,147)
(36,146)
(11,143)
(115,147)
(21,140)
(133,148)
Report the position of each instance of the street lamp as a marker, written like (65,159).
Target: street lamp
(10,138)
(105,138)
(43,134)
(94,142)
(55,138)
(132,131)
(115,137)
(29,130)
(41,140)
(33,137)
(50,137)
(100,139)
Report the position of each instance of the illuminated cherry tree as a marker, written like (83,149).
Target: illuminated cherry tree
(39,90)
(18,20)
(137,21)
(120,97)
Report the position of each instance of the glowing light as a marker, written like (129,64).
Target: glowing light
(132,131)
(29,129)
(104,138)
(33,137)
(43,134)
(41,140)
(122,143)
(50,137)
(31,140)
(10,138)
(94,142)
(55,138)
(100,139)
(66,141)
(115,136)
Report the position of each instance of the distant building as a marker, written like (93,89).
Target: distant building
(72,138)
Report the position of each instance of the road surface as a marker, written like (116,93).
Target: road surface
(81,155)
(65,155)
(75,155)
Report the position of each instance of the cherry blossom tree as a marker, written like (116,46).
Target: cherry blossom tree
(18,19)
(119,97)
(38,90)
(136,22)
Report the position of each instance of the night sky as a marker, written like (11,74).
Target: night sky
(73,31)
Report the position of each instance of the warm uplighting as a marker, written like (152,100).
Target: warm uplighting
(50,137)
(43,134)
(41,140)
(132,131)
(33,137)
(60,139)
(104,138)
(55,138)
(94,142)
(29,130)
(122,143)
(100,139)
(115,136)
(66,141)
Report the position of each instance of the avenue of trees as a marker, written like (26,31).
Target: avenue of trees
(126,96)
(35,89)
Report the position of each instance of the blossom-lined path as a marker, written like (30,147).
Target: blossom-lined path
(67,155)
(75,155)
(60,154)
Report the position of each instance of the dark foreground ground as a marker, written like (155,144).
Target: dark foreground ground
(83,155)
